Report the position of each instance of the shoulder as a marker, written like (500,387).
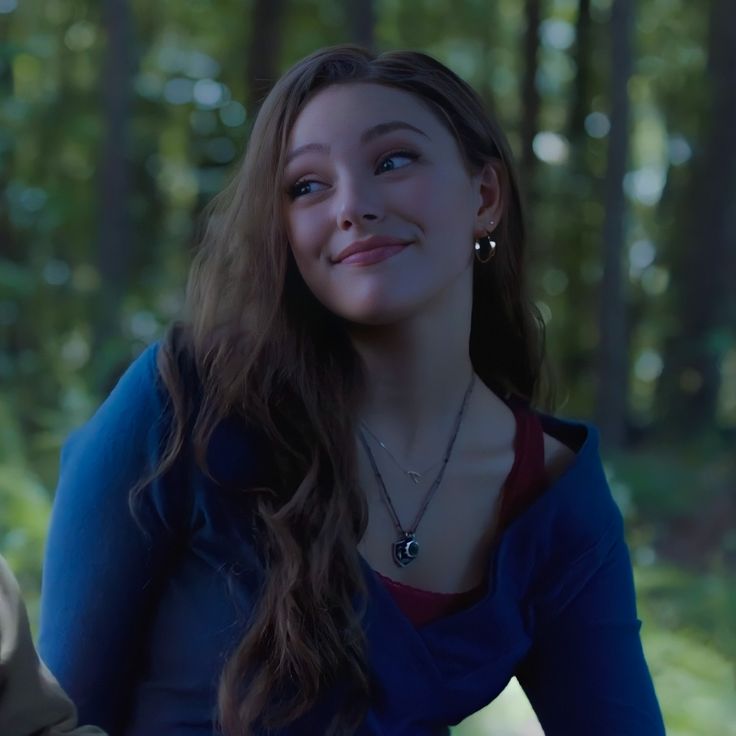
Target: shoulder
(558,457)
(138,379)
(114,451)
(131,409)
(139,400)
(582,512)
(580,525)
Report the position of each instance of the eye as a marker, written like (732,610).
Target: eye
(388,162)
(302,187)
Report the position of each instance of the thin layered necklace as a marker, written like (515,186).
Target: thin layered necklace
(406,548)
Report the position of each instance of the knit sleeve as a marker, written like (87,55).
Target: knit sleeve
(586,673)
(102,567)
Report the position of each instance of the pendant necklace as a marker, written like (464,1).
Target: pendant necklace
(406,549)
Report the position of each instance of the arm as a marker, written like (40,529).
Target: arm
(101,573)
(586,673)
(31,700)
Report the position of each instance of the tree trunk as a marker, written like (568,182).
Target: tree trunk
(8,248)
(581,87)
(11,248)
(264,50)
(578,237)
(114,226)
(529,93)
(613,363)
(704,271)
(361,21)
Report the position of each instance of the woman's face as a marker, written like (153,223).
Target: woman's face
(366,160)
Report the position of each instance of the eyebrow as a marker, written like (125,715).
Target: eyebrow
(368,135)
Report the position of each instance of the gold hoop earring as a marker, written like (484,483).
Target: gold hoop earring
(485,248)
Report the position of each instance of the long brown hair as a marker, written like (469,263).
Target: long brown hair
(266,351)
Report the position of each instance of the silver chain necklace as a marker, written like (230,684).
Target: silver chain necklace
(413,475)
(406,548)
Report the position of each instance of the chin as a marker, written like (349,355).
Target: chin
(379,317)
(373,307)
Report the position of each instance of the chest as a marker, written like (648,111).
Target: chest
(456,531)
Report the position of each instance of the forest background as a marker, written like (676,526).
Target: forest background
(120,119)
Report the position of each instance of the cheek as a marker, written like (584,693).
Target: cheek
(436,203)
(305,233)
(419,194)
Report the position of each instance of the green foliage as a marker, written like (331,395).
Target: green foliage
(24,510)
(699,607)
(662,485)
(24,513)
(694,681)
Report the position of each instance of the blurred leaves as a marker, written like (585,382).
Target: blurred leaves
(25,505)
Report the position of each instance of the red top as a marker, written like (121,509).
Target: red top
(525,482)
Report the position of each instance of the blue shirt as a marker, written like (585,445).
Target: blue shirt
(136,626)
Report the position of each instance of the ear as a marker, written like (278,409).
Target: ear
(487,184)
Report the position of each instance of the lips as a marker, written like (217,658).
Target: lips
(368,244)
(375,255)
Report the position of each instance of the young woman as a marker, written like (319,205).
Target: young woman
(326,502)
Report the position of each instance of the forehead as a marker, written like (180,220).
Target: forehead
(349,108)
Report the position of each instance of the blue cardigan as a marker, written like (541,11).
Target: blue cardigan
(136,627)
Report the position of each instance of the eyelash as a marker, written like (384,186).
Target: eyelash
(401,153)
(292,191)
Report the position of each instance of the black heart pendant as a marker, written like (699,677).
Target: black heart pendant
(406,550)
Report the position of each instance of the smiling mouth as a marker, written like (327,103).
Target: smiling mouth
(374,255)
(372,243)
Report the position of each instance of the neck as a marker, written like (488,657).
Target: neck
(417,373)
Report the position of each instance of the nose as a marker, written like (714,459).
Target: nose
(357,202)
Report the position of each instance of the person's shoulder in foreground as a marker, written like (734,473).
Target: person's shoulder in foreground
(31,700)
